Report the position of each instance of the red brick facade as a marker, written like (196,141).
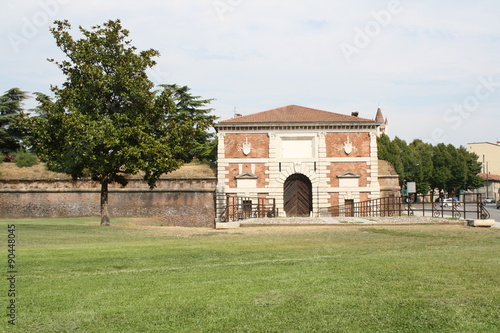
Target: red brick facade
(339,168)
(259,145)
(364,196)
(335,144)
(334,199)
(259,170)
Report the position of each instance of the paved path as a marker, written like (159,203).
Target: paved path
(347,220)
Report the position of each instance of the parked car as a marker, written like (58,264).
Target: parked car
(449,202)
(498,204)
(489,200)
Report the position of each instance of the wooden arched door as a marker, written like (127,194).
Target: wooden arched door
(297,193)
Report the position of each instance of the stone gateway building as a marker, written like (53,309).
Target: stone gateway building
(295,161)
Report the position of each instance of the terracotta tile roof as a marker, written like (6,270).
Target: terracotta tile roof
(491,177)
(295,114)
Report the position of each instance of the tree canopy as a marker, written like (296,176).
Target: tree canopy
(203,145)
(11,105)
(442,167)
(107,120)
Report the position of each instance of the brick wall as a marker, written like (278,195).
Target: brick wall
(181,202)
(389,185)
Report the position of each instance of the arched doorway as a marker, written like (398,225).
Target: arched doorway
(297,193)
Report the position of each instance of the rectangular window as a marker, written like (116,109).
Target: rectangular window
(247,206)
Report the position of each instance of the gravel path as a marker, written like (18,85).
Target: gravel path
(349,220)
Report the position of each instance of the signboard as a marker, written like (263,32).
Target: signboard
(411,187)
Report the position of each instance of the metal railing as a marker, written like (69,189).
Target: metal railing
(240,208)
(470,205)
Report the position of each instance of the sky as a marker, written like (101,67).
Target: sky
(431,66)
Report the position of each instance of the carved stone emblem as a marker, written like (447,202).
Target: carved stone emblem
(348,146)
(247,147)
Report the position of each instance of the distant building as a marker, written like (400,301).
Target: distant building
(303,159)
(489,154)
(384,123)
(491,186)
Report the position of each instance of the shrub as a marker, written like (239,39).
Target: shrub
(25,159)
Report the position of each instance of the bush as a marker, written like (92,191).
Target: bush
(25,159)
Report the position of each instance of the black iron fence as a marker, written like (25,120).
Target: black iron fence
(465,206)
(240,208)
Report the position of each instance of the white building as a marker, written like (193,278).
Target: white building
(302,160)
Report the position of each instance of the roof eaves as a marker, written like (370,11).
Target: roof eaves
(277,124)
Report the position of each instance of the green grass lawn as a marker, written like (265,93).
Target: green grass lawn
(74,276)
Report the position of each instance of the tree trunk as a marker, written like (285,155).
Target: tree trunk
(104,204)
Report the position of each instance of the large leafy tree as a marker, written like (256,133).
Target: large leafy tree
(442,167)
(442,171)
(11,104)
(390,151)
(422,167)
(106,120)
(474,167)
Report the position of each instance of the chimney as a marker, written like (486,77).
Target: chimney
(355,114)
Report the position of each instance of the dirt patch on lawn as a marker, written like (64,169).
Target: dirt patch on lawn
(154,226)
(285,230)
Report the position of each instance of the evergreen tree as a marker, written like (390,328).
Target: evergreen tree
(11,104)
(188,108)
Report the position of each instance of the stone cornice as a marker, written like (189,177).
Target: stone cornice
(295,126)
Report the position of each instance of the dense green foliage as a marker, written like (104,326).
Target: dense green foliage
(107,120)
(77,277)
(202,146)
(24,158)
(11,105)
(442,167)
